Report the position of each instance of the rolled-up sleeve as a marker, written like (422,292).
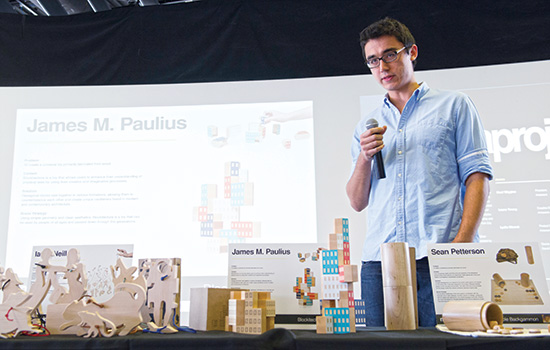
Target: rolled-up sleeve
(472,154)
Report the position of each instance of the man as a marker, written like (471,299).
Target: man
(436,163)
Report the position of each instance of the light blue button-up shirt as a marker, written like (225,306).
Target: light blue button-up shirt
(430,150)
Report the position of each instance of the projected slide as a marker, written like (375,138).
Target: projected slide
(174,181)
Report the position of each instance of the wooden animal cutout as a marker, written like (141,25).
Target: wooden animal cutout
(10,284)
(17,305)
(75,274)
(126,275)
(163,285)
(122,309)
(96,325)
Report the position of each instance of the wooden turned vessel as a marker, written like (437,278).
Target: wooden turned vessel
(471,316)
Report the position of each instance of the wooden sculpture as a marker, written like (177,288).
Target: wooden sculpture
(163,287)
(17,305)
(397,280)
(122,310)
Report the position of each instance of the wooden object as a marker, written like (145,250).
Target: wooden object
(470,316)
(324,325)
(529,254)
(399,302)
(18,305)
(412,259)
(163,276)
(348,273)
(257,308)
(123,309)
(208,308)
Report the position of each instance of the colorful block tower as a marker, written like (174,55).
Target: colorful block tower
(338,276)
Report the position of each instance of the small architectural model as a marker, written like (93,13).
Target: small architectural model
(250,312)
(209,308)
(338,276)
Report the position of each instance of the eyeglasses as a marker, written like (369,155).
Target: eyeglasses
(387,57)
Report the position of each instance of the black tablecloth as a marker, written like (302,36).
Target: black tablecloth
(369,338)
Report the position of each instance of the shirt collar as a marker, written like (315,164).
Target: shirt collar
(417,94)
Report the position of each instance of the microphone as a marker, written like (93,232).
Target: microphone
(372,123)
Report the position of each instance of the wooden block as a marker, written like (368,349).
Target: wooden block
(227,325)
(264,295)
(238,294)
(324,324)
(332,241)
(208,308)
(270,323)
(340,257)
(236,312)
(348,273)
(352,328)
(339,225)
(328,303)
(268,306)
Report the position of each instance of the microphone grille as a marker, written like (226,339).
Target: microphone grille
(371,123)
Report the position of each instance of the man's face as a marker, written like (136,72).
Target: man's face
(397,75)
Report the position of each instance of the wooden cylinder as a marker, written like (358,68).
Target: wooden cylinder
(412,260)
(525,280)
(396,269)
(471,316)
(399,302)
(399,308)
(529,253)
(499,281)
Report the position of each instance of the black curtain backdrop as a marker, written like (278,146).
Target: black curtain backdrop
(229,40)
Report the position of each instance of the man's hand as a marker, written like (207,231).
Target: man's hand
(371,142)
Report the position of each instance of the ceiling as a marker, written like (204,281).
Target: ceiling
(71,7)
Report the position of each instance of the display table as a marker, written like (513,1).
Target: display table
(365,338)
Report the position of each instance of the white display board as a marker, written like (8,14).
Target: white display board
(283,270)
(510,275)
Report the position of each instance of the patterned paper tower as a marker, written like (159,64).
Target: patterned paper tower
(338,303)
(250,312)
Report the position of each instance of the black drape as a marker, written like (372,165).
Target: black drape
(228,40)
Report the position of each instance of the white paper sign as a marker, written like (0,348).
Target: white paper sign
(291,272)
(510,275)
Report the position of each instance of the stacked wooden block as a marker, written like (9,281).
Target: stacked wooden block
(250,312)
(338,276)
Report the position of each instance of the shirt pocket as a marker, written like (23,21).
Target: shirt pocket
(434,138)
(433,134)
